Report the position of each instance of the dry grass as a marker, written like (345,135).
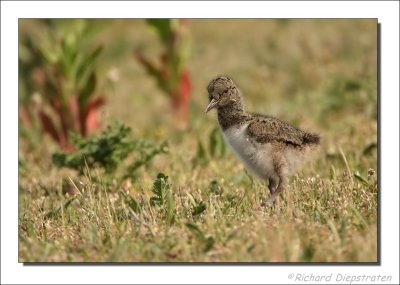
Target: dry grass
(317,74)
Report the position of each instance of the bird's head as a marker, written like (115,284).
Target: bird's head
(222,92)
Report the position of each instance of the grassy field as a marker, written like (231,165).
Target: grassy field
(319,75)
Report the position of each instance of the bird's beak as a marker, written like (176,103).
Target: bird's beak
(211,105)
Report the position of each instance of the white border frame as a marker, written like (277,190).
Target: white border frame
(13,272)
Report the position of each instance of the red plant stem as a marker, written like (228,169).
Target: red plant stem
(75,114)
(183,93)
(62,115)
(48,127)
(89,115)
(24,116)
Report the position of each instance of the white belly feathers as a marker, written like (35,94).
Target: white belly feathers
(256,157)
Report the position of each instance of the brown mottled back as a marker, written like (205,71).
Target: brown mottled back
(268,129)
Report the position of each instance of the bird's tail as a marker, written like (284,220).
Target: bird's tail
(311,139)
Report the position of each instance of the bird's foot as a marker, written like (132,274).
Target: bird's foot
(272,189)
(271,201)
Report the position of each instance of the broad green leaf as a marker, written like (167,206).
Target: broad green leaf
(195,230)
(88,90)
(208,241)
(85,67)
(361,179)
(199,208)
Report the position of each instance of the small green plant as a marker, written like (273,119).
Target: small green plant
(198,207)
(171,72)
(160,190)
(215,188)
(162,198)
(58,80)
(207,240)
(108,150)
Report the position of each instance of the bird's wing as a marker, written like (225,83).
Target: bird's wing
(267,129)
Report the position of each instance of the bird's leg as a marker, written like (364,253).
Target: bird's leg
(280,170)
(279,189)
(272,185)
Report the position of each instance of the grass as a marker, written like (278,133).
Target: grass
(317,74)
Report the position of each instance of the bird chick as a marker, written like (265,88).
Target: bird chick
(268,147)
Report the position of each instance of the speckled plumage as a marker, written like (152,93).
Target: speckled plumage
(267,146)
